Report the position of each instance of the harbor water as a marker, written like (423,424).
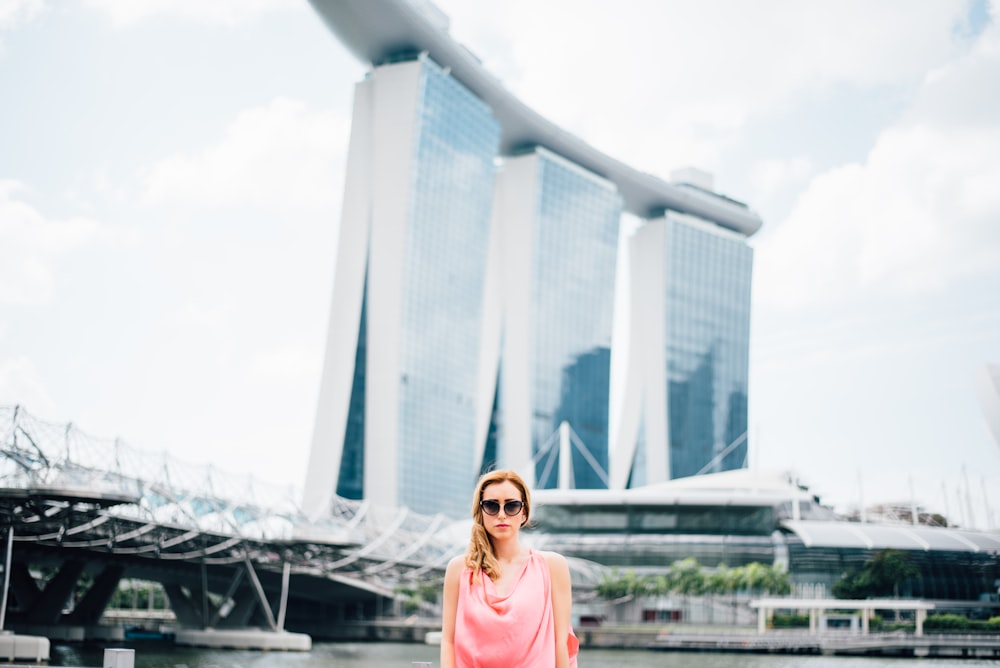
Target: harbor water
(399,655)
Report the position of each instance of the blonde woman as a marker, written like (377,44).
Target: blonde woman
(505,605)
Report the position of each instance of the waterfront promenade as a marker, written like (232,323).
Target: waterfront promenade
(687,638)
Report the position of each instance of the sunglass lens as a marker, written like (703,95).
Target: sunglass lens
(513,507)
(490,507)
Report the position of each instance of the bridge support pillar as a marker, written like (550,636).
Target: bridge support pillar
(90,608)
(185,610)
(48,606)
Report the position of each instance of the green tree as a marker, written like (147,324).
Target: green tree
(619,585)
(883,574)
(687,577)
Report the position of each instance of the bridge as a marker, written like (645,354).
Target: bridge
(78,514)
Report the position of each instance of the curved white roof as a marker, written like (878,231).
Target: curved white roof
(379,31)
(895,536)
(739,487)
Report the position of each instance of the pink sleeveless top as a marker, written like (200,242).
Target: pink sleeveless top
(512,631)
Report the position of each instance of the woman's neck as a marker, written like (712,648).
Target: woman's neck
(508,550)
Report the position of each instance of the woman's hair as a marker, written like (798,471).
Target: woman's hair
(480,556)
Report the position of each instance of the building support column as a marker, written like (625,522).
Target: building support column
(286,572)
(261,596)
(6,577)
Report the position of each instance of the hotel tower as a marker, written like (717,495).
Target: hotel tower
(474,296)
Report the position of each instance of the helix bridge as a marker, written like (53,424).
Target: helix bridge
(70,499)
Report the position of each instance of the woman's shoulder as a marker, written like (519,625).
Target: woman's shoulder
(558,567)
(554,559)
(455,566)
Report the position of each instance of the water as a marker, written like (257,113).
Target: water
(395,655)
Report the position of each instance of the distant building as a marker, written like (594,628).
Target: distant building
(744,516)
(474,295)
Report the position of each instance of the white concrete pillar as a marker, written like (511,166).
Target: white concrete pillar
(921,616)
(119,658)
(565,457)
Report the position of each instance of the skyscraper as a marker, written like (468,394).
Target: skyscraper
(684,405)
(474,294)
(398,390)
(556,239)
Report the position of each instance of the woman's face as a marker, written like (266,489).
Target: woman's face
(503,524)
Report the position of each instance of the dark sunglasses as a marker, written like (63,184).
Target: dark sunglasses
(491,507)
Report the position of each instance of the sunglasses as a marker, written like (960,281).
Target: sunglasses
(491,507)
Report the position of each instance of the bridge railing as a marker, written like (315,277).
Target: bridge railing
(159,488)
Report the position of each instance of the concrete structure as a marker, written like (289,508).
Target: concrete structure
(821,609)
(474,292)
(280,641)
(15,647)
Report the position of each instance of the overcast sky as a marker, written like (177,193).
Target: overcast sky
(171,172)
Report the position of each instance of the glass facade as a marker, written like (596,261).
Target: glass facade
(708,276)
(351,477)
(570,218)
(453,175)
(942,574)
(654,536)
(576,241)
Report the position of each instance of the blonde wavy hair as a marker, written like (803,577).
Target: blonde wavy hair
(480,555)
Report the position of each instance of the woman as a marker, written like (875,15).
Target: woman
(505,605)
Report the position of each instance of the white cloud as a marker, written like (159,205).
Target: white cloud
(664,85)
(31,247)
(13,12)
(285,363)
(16,12)
(917,215)
(775,176)
(128,12)
(20,384)
(282,156)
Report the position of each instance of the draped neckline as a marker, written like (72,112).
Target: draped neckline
(493,595)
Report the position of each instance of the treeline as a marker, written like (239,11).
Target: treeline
(950,622)
(687,577)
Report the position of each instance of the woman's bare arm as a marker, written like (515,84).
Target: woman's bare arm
(448,609)
(562,604)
